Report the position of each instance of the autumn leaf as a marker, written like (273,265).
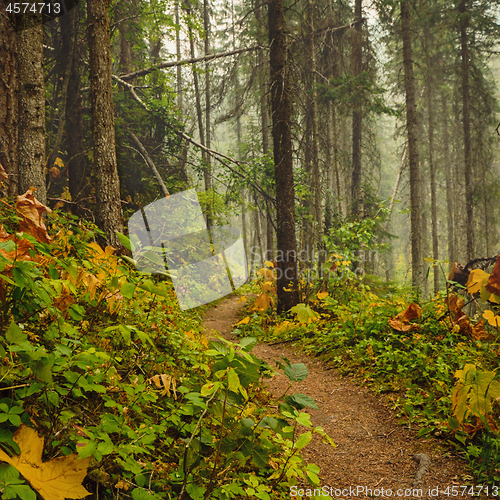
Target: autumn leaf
(244,321)
(57,479)
(479,332)
(267,274)
(322,295)
(493,284)
(31,210)
(268,286)
(492,319)
(268,263)
(402,322)
(262,302)
(413,311)
(477,280)
(3,174)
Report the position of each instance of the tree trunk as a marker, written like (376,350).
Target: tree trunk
(31,124)
(448,181)
(75,137)
(317,226)
(432,166)
(462,9)
(108,213)
(287,289)
(208,166)
(411,125)
(8,98)
(357,116)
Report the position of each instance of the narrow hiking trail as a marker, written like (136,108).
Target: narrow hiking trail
(373,451)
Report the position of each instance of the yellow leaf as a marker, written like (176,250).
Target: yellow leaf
(268,286)
(59,162)
(492,319)
(244,321)
(57,479)
(322,295)
(477,280)
(243,298)
(268,264)
(262,302)
(268,274)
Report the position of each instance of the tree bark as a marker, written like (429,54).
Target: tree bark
(464,15)
(31,124)
(75,137)
(287,290)
(8,98)
(315,173)
(448,181)
(108,211)
(413,156)
(357,117)
(208,139)
(432,166)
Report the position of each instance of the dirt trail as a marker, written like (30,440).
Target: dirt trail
(373,451)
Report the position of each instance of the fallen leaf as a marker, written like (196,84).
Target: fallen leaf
(322,295)
(31,210)
(413,311)
(57,479)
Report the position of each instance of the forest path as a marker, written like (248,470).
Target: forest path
(373,451)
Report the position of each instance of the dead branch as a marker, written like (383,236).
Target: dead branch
(171,64)
(423,460)
(149,162)
(214,154)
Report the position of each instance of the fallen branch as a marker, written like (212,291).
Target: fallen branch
(214,154)
(149,162)
(423,460)
(171,64)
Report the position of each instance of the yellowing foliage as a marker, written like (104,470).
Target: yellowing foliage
(57,479)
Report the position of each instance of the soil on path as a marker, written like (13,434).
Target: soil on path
(373,451)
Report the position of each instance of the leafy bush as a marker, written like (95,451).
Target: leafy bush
(98,363)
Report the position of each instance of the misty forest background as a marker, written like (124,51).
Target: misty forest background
(391,117)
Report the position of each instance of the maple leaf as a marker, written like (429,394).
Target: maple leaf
(57,479)
(31,210)
(493,284)
(262,302)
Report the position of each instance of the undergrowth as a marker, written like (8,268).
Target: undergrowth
(103,375)
(437,368)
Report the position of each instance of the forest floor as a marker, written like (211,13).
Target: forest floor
(373,451)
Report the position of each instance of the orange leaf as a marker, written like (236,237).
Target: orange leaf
(268,274)
(322,295)
(413,311)
(57,479)
(31,210)
(479,331)
(244,321)
(493,284)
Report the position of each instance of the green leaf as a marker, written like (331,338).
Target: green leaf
(303,400)
(150,287)
(296,372)
(124,241)
(304,313)
(14,335)
(88,450)
(303,440)
(248,343)
(127,290)
(260,457)
(233,380)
